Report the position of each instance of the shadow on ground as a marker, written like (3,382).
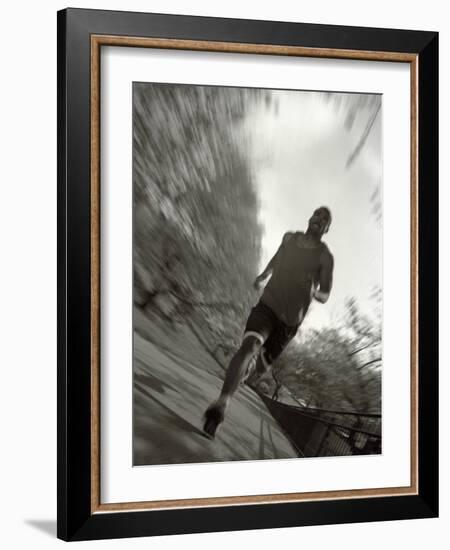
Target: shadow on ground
(47,526)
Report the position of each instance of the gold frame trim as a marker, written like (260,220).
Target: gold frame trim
(110,40)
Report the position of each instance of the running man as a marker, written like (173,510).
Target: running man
(302,269)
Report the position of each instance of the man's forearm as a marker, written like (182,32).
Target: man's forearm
(266,273)
(263,275)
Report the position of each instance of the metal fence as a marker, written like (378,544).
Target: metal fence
(321,432)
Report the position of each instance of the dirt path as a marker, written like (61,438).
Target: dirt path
(175,379)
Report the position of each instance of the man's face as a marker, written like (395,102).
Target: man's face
(318,221)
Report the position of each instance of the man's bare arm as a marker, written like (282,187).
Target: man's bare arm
(269,268)
(325,279)
(267,271)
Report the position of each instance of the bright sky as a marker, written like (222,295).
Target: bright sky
(301,150)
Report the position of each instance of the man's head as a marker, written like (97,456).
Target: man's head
(320,221)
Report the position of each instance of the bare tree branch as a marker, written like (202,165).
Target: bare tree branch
(363,138)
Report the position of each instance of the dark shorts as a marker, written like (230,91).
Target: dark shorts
(273,333)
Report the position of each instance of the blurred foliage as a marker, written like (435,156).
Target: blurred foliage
(196,235)
(359,114)
(334,368)
(358,110)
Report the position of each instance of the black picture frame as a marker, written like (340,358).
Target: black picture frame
(76,518)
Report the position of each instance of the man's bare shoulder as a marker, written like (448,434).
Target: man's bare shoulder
(287,236)
(327,256)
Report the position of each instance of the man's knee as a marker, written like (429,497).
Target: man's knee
(251,345)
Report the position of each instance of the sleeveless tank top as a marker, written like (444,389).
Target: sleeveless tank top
(296,271)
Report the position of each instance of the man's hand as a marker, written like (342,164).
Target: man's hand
(257,284)
(320,296)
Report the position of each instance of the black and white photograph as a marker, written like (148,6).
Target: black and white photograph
(257,273)
(224,275)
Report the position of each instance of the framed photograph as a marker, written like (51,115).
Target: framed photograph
(247,274)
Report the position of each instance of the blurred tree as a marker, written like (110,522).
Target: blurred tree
(335,368)
(196,235)
(359,111)
(360,114)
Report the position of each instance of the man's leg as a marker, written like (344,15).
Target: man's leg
(257,329)
(238,367)
(236,372)
(273,347)
(260,368)
(262,365)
